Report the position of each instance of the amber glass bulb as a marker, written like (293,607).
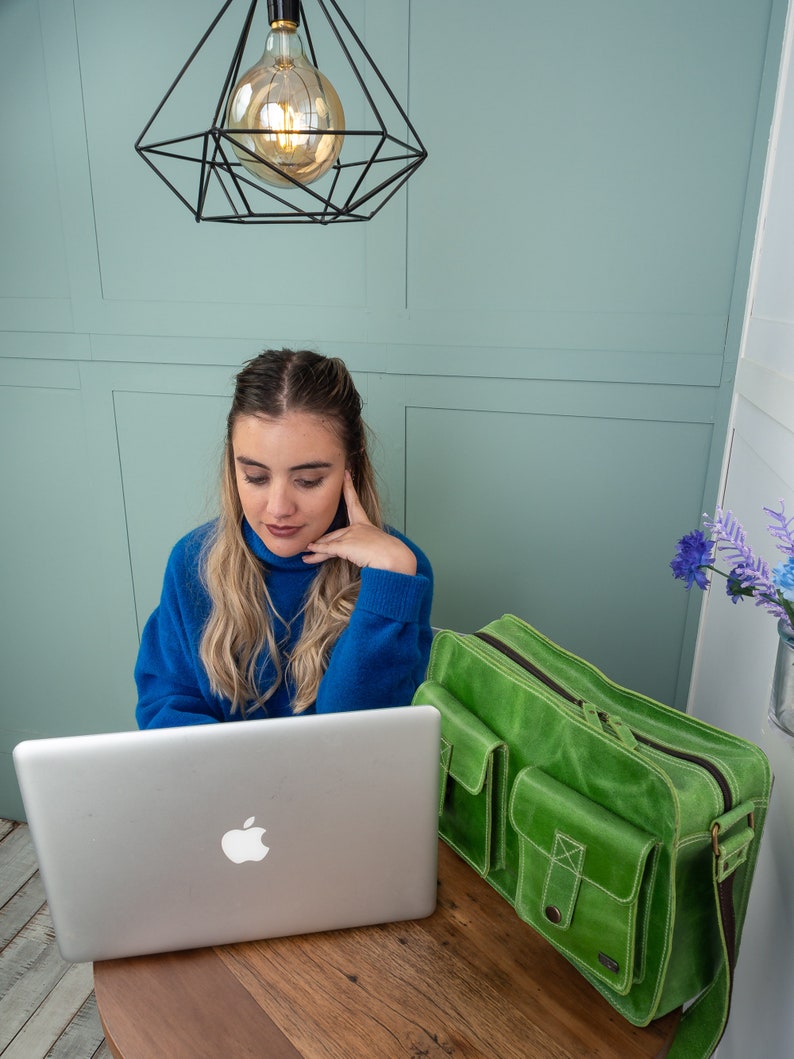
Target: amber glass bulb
(285,112)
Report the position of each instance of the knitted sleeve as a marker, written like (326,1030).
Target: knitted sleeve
(172,685)
(382,656)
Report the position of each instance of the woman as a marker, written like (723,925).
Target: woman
(297,598)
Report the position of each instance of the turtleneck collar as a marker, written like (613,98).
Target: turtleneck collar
(275,562)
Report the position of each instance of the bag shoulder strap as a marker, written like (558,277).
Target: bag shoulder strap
(703,1023)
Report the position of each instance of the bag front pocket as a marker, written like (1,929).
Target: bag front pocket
(472,794)
(584,877)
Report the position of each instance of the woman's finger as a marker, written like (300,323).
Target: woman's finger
(355,512)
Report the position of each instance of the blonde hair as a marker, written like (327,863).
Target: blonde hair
(240,625)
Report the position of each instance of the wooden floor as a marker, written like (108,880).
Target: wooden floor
(47,1006)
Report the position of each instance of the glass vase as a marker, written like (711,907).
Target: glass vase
(781,703)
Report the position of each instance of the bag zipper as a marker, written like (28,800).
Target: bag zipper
(530,667)
(550,682)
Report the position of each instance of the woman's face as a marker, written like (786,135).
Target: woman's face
(290,472)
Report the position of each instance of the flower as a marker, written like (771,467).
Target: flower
(750,575)
(783,577)
(735,587)
(692,559)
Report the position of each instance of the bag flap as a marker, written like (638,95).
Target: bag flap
(584,877)
(569,829)
(466,741)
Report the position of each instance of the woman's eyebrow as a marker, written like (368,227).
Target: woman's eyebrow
(311,465)
(248,462)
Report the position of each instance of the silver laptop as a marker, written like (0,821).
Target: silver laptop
(183,837)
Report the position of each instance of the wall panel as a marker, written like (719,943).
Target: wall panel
(64,658)
(38,262)
(510,506)
(169,449)
(590,155)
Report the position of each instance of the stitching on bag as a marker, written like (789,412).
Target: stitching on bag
(482,865)
(570,853)
(628,949)
(638,869)
(524,909)
(480,860)
(488,787)
(446,754)
(547,695)
(524,844)
(567,854)
(690,767)
(465,855)
(622,1004)
(502,772)
(577,958)
(644,924)
(747,876)
(480,782)
(492,793)
(682,718)
(697,838)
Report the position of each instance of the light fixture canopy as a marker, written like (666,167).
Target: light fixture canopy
(280,146)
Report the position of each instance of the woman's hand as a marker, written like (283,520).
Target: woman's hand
(360,542)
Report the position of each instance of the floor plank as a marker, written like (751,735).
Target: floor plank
(83,1036)
(17,862)
(25,903)
(47,1006)
(50,1019)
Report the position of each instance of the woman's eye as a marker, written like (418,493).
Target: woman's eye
(254,479)
(309,483)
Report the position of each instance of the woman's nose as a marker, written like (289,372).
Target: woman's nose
(280,501)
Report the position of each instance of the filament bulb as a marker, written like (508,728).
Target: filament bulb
(283,111)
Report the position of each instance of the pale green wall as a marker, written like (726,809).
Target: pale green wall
(544,325)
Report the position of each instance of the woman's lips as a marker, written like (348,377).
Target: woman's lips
(283,531)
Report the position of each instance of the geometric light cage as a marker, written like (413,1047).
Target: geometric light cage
(202,169)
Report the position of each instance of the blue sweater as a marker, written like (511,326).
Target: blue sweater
(379,660)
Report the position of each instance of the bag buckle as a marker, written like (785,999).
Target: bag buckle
(731,851)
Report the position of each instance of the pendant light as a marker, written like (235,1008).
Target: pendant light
(288,114)
(276,148)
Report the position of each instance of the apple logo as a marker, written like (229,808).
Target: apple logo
(246,844)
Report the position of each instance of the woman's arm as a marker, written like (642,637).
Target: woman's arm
(172,686)
(381,658)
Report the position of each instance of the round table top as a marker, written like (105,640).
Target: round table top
(470,980)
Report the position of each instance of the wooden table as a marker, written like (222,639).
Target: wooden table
(471,980)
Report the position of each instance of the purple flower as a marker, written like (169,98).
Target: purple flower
(693,556)
(736,588)
(781,528)
(754,571)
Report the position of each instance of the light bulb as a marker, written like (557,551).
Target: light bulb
(281,110)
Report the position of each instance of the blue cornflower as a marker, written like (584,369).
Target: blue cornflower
(693,557)
(783,578)
(736,588)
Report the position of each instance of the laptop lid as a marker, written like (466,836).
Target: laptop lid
(177,838)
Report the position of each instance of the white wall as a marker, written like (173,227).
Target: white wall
(737,644)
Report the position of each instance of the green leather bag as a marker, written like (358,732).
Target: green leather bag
(624,831)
